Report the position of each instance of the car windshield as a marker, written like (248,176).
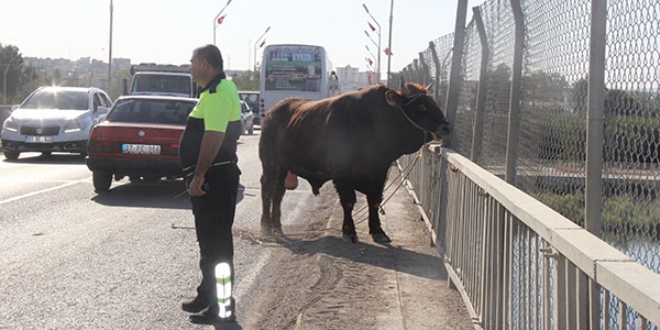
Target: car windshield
(58,99)
(173,112)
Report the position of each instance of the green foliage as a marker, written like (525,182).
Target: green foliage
(248,81)
(11,61)
(620,213)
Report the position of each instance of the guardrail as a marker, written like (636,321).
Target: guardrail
(517,263)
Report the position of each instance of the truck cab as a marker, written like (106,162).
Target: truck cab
(162,80)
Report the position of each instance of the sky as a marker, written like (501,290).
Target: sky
(166,31)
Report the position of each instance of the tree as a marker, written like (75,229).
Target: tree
(11,60)
(579,95)
(248,81)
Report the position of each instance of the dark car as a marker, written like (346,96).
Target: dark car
(139,138)
(252,99)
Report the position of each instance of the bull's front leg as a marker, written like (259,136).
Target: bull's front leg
(347,199)
(375,229)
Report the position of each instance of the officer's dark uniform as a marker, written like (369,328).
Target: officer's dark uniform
(218,110)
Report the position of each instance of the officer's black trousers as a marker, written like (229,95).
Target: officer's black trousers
(214,217)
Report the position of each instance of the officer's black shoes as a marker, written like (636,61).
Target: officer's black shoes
(196,305)
(210,316)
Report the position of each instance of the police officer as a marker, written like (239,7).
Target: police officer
(207,151)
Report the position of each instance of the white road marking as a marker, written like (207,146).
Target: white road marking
(34,193)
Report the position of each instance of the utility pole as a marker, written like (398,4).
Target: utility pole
(110,53)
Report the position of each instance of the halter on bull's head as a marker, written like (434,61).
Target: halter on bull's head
(419,108)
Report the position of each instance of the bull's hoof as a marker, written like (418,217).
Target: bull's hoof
(380,238)
(351,238)
(267,234)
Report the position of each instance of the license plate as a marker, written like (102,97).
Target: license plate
(145,149)
(38,139)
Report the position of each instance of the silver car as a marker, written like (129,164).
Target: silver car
(54,119)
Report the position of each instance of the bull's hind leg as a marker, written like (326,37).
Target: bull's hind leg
(347,199)
(272,190)
(278,194)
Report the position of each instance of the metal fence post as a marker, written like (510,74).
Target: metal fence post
(436,76)
(477,134)
(595,137)
(416,71)
(452,102)
(456,65)
(424,70)
(514,100)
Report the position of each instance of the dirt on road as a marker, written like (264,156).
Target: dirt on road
(323,282)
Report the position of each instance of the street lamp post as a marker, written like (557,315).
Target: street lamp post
(389,44)
(379,49)
(215,20)
(255,49)
(369,50)
(4,83)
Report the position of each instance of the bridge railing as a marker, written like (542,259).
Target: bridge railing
(517,263)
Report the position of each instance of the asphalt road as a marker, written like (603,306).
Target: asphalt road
(74,259)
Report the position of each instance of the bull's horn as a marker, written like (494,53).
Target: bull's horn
(404,88)
(429,86)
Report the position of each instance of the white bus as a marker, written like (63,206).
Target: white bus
(293,70)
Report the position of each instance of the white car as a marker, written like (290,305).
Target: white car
(54,119)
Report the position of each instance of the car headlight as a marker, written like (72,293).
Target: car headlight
(10,125)
(76,126)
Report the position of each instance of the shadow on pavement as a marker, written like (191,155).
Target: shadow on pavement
(166,194)
(385,256)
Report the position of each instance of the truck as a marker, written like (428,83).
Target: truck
(161,79)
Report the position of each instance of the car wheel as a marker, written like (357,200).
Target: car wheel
(11,155)
(102,180)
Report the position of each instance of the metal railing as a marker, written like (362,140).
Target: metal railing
(561,99)
(517,263)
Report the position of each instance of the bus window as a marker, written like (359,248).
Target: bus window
(293,70)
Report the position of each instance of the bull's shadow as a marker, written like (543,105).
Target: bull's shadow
(387,255)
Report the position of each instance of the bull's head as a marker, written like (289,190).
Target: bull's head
(419,108)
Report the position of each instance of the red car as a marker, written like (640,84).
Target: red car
(139,138)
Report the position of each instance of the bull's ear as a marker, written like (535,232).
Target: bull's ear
(391,97)
(404,89)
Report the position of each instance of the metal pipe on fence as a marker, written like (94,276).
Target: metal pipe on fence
(477,134)
(514,99)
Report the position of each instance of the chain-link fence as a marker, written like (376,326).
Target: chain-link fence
(543,132)
(552,122)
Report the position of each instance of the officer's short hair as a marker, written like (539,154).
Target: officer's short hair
(211,54)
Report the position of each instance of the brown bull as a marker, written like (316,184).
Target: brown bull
(350,139)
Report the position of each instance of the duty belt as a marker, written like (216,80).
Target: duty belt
(190,170)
